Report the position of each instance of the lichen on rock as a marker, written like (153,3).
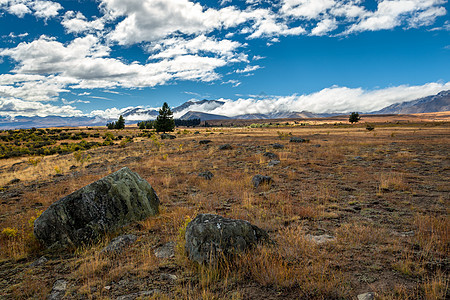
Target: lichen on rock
(103,206)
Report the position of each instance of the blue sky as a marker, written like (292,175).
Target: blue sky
(97,58)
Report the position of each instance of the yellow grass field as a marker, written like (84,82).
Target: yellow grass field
(383,195)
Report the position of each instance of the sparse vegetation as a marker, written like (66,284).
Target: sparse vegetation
(386,231)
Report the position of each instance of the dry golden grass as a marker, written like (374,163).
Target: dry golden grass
(433,235)
(358,187)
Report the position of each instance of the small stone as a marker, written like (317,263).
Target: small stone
(277,146)
(58,175)
(108,287)
(366,296)
(166,136)
(165,251)
(15,180)
(273,163)
(207,175)
(225,147)
(320,239)
(297,140)
(73,167)
(170,277)
(204,142)
(119,243)
(257,180)
(93,165)
(271,155)
(404,234)
(58,290)
(138,295)
(38,262)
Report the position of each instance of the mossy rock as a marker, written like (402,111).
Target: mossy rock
(99,208)
(209,237)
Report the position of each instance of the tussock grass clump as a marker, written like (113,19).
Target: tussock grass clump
(355,235)
(433,235)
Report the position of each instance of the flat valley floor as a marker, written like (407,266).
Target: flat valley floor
(350,211)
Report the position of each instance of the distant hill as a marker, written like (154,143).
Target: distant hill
(140,113)
(202,116)
(208,105)
(202,110)
(50,121)
(434,103)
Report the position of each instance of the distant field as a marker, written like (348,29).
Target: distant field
(343,119)
(382,196)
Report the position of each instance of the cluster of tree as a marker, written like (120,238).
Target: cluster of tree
(178,122)
(164,121)
(119,124)
(188,123)
(146,124)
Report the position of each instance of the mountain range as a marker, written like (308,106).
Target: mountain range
(434,103)
(201,110)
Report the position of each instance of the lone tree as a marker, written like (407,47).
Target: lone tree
(354,117)
(119,124)
(164,122)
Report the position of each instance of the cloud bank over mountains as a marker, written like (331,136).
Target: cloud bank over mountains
(330,100)
(189,41)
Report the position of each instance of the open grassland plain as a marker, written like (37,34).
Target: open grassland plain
(350,211)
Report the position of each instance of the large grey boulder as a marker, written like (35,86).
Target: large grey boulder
(98,208)
(209,237)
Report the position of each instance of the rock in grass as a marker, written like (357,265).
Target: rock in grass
(209,237)
(166,251)
(119,243)
(297,140)
(204,142)
(273,162)
(138,295)
(225,147)
(271,155)
(366,296)
(207,175)
(166,136)
(42,260)
(320,239)
(257,180)
(98,208)
(58,290)
(277,146)
(15,180)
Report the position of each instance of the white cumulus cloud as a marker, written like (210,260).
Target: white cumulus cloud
(15,107)
(40,8)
